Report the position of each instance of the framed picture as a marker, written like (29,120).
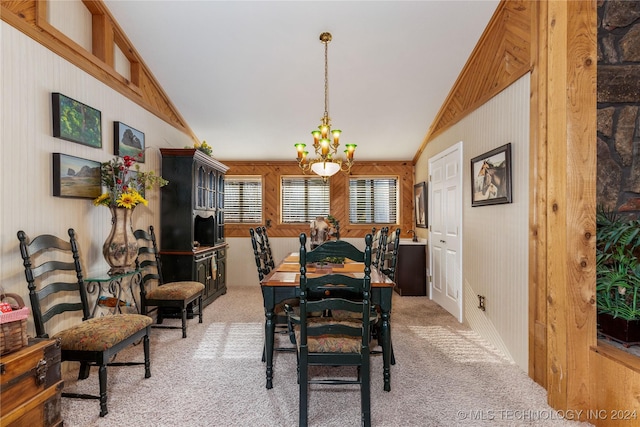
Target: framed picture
(420,200)
(491,177)
(128,141)
(75,177)
(75,121)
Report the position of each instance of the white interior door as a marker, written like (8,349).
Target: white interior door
(445,229)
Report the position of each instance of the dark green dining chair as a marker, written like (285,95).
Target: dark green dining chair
(330,341)
(56,287)
(264,265)
(162,297)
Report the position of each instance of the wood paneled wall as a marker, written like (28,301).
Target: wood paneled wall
(271,173)
(501,57)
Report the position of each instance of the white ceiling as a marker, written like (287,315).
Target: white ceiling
(248,76)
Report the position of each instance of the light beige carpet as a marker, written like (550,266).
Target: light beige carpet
(445,375)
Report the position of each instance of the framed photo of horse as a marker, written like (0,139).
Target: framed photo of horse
(128,141)
(491,177)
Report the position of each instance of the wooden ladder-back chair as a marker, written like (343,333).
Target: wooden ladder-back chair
(262,264)
(56,286)
(265,246)
(389,269)
(263,267)
(381,248)
(174,296)
(328,341)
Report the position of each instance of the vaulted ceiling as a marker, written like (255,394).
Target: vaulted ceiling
(248,76)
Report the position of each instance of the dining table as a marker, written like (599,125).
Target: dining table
(283,282)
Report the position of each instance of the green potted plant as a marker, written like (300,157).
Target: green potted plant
(618,276)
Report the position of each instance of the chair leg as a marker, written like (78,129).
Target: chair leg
(83,373)
(184,322)
(102,375)
(147,358)
(200,309)
(393,356)
(365,390)
(303,379)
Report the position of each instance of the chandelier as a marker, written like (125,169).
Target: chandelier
(328,162)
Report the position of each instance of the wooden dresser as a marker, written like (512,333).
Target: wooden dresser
(31,385)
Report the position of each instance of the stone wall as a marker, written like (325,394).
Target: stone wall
(618,183)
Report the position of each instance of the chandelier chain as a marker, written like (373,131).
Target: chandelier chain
(326,79)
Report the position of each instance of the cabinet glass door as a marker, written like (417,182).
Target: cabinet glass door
(211,190)
(201,188)
(221,191)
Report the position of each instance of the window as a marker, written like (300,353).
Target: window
(373,200)
(303,199)
(243,199)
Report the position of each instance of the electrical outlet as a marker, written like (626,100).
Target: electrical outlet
(481,304)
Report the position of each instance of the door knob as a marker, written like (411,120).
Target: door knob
(442,241)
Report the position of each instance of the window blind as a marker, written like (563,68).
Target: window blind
(373,200)
(303,199)
(243,199)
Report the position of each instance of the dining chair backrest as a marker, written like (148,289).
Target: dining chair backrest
(319,285)
(262,266)
(381,250)
(59,257)
(266,246)
(390,269)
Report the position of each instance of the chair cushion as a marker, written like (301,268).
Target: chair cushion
(331,343)
(102,333)
(176,291)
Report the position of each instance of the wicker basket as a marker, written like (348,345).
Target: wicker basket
(13,326)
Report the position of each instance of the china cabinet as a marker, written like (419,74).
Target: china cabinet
(192,220)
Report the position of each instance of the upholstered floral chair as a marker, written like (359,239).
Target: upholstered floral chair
(56,287)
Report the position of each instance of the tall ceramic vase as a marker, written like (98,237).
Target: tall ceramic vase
(121,247)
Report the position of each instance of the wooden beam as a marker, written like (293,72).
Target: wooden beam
(102,39)
(30,17)
(571,56)
(537,200)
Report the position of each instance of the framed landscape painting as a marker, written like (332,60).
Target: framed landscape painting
(75,177)
(128,141)
(75,121)
(491,177)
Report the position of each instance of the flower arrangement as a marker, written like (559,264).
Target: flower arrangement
(204,147)
(125,183)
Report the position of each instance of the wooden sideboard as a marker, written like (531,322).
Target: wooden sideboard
(411,268)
